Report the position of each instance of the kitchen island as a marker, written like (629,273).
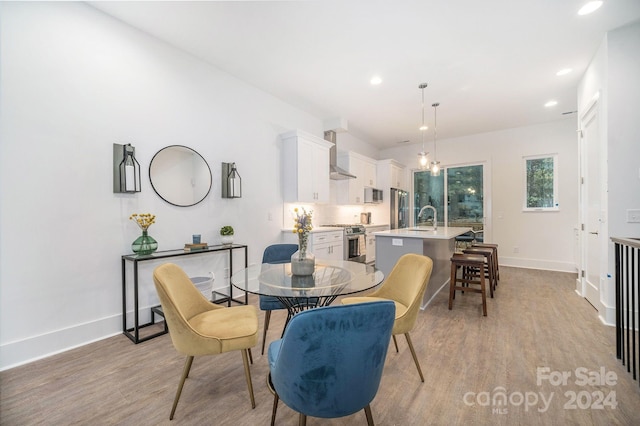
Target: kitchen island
(439,245)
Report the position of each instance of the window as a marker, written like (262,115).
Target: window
(541,183)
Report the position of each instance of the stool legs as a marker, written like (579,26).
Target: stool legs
(466,262)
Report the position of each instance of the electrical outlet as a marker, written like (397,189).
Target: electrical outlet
(226,272)
(633,216)
(516,249)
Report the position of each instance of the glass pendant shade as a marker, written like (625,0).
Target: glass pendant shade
(435,168)
(423,160)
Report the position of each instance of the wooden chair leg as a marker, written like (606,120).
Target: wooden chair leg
(367,412)
(267,318)
(302,420)
(484,295)
(247,373)
(276,398)
(185,374)
(395,342)
(413,354)
(452,284)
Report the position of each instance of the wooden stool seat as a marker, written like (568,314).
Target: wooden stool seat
(468,263)
(495,256)
(489,267)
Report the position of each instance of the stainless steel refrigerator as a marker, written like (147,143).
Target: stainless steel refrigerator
(399,209)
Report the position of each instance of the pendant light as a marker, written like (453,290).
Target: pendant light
(423,156)
(435,165)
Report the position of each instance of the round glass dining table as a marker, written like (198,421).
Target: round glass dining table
(331,278)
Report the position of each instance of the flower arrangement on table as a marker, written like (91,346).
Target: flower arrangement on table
(143,220)
(302,226)
(144,244)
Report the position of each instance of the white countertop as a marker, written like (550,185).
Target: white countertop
(317,229)
(424,232)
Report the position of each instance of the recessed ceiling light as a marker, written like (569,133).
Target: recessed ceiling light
(564,71)
(375,80)
(591,6)
(551,104)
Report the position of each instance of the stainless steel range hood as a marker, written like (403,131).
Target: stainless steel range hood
(335,172)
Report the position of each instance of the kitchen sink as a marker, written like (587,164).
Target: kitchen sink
(423,229)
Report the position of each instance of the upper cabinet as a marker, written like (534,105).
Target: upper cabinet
(391,175)
(305,160)
(364,168)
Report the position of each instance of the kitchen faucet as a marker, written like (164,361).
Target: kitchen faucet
(435,216)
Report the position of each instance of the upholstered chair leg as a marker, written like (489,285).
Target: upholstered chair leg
(276,398)
(413,353)
(367,412)
(395,342)
(247,373)
(185,374)
(250,356)
(267,318)
(302,420)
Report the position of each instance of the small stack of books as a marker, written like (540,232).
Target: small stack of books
(196,247)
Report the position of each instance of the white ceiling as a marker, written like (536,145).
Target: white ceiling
(491,64)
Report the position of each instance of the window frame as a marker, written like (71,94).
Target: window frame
(556,202)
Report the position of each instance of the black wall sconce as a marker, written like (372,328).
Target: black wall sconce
(231,181)
(126,169)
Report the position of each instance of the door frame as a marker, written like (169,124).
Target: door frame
(486,189)
(592,108)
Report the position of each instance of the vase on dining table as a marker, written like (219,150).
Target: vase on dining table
(303,262)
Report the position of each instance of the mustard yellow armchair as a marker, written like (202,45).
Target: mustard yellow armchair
(199,327)
(405,286)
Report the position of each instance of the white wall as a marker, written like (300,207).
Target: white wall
(623,132)
(613,74)
(73,82)
(544,240)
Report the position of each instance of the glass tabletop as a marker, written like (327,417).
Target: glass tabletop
(330,278)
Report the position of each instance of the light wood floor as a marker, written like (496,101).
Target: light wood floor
(535,320)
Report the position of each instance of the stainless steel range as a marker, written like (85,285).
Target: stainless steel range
(355,243)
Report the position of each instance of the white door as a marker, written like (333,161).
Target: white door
(591,208)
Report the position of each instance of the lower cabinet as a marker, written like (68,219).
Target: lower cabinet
(371,241)
(327,245)
(323,244)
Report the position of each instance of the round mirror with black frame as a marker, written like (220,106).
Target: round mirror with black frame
(180,175)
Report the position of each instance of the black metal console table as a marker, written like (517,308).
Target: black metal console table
(133,333)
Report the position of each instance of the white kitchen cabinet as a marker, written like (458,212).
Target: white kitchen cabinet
(391,175)
(371,241)
(305,167)
(351,191)
(327,245)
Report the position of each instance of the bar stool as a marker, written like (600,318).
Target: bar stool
(489,265)
(495,255)
(468,263)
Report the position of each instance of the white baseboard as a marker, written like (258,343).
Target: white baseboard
(547,265)
(24,351)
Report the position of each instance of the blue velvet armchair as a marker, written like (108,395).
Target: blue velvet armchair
(276,253)
(330,360)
